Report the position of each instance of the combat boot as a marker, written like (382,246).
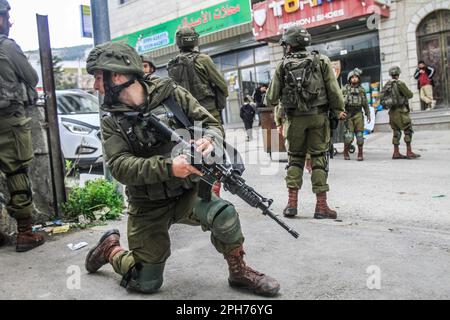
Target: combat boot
(291,208)
(322,209)
(397,155)
(216,188)
(360,153)
(2,238)
(409,153)
(308,165)
(242,276)
(346,152)
(107,247)
(26,238)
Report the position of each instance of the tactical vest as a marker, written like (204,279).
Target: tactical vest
(353,98)
(182,70)
(303,87)
(145,142)
(391,96)
(11,90)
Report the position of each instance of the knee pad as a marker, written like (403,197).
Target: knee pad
(348,137)
(408,135)
(294,175)
(320,162)
(145,278)
(360,138)
(19,188)
(221,218)
(397,135)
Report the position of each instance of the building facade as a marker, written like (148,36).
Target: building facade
(243,36)
(225,29)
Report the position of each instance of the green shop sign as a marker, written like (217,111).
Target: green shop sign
(219,17)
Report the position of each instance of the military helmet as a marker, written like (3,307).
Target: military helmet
(186,37)
(4,6)
(296,37)
(355,72)
(394,71)
(148,59)
(115,57)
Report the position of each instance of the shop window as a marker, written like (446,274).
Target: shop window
(262,54)
(354,52)
(248,79)
(245,58)
(216,61)
(263,74)
(229,61)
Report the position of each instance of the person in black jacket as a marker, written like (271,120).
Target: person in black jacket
(248,115)
(258,97)
(424,76)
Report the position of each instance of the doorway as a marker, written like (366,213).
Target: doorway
(433,36)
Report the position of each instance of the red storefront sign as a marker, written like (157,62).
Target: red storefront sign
(271,17)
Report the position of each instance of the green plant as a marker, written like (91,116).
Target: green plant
(97,200)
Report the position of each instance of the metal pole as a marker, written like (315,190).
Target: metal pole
(51,114)
(100,21)
(102,34)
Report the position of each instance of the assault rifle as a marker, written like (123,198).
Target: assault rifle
(232,181)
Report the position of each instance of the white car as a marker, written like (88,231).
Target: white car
(79,127)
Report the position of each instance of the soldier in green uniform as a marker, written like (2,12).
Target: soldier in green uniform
(147,64)
(161,185)
(17,88)
(394,96)
(196,72)
(355,102)
(306,86)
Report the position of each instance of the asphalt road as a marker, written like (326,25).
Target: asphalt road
(391,239)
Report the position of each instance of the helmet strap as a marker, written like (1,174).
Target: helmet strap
(112,91)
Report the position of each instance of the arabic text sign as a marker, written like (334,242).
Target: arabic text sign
(271,17)
(222,16)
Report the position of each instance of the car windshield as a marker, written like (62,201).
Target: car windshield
(73,103)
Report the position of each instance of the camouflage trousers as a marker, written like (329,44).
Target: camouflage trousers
(148,229)
(400,120)
(354,125)
(308,134)
(16,155)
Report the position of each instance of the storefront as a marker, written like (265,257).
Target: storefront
(225,34)
(344,30)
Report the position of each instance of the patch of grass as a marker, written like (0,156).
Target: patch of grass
(97,200)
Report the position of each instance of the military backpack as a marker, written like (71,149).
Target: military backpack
(16,89)
(303,84)
(391,97)
(182,70)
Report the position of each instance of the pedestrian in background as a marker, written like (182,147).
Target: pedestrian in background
(247,114)
(424,76)
(259,96)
